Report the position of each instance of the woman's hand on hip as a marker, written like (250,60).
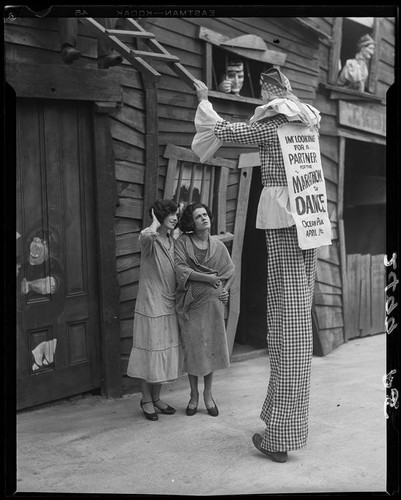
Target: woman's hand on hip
(224,296)
(214,281)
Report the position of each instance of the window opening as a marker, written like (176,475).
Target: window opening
(357,48)
(223,60)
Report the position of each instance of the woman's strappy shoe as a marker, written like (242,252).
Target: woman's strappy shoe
(167,411)
(213,412)
(149,416)
(191,409)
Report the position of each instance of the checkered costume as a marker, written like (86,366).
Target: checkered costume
(290,284)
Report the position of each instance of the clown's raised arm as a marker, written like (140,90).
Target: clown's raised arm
(212,130)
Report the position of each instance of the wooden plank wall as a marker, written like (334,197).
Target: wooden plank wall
(36,41)
(127,126)
(329,287)
(385,71)
(177,102)
(328,311)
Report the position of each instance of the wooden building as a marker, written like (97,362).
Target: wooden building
(95,147)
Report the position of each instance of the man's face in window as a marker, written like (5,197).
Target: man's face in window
(235,76)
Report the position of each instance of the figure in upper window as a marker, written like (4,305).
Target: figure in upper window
(355,72)
(232,79)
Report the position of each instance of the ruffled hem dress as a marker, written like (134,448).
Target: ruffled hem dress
(156,354)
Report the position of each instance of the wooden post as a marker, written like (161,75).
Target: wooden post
(208,65)
(335,50)
(341,235)
(245,163)
(151,146)
(109,290)
(374,64)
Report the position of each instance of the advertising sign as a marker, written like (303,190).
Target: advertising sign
(306,185)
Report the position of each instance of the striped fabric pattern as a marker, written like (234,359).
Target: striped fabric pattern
(290,284)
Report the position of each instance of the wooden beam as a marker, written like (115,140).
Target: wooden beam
(267,55)
(341,176)
(109,290)
(374,64)
(232,97)
(309,25)
(170,178)
(186,154)
(222,201)
(105,107)
(343,260)
(335,50)
(135,34)
(236,252)
(249,160)
(63,82)
(358,135)
(154,55)
(151,146)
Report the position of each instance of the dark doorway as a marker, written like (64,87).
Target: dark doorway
(252,321)
(365,236)
(365,197)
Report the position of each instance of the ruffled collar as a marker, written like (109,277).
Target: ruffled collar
(293,109)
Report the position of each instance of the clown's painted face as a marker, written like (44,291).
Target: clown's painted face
(38,251)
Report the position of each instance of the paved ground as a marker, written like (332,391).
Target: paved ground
(93,445)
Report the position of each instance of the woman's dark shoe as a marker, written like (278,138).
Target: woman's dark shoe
(149,416)
(191,409)
(167,411)
(213,412)
(276,456)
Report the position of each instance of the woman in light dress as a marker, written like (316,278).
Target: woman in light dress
(156,355)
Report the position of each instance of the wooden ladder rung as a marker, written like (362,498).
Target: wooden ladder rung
(135,57)
(155,55)
(137,34)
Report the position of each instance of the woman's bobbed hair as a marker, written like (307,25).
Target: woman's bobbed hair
(163,208)
(186,222)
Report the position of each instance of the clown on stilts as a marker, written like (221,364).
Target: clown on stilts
(290,269)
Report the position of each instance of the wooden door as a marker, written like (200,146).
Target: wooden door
(58,337)
(366,306)
(364,215)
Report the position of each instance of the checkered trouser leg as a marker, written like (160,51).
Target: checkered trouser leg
(290,284)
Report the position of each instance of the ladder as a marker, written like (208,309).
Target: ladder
(137,57)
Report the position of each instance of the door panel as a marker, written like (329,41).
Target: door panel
(366,307)
(58,333)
